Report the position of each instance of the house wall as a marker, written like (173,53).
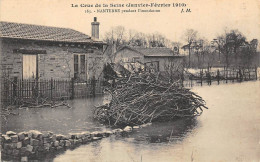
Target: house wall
(164,62)
(127,55)
(57,63)
(95,64)
(11,64)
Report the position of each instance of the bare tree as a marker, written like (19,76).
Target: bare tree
(190,36)
(236,39)
(136,38)
(205,50)
(229,43)
(116,35)
(115,38)
(173,69)
(158,40)
(225,48)
(248,52)
(175,46)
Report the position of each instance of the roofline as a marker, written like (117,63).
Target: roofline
(90,38)
(90,42)
(165,56)
(128,48)
(145,54)
(35,25)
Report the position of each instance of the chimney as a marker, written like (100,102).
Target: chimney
(95,29)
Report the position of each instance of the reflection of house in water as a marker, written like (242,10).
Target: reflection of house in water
(34,51)
(149,59)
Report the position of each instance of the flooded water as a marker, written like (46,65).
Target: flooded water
(228,131)
(58,120)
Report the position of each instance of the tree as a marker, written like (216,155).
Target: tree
(217,43)
(190,36)
(236,39)
(205,51)
(226,48)
(136,38)
(229,43)
(248,52)
(175,46)
(116,36)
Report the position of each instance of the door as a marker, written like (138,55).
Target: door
(29,66)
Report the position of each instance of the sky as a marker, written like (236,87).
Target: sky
(208,17)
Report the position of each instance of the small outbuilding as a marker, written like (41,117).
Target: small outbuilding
(148,59)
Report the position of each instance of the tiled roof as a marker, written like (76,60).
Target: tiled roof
(155,51)
(44,33)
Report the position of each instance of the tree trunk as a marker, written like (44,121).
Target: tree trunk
(189,56)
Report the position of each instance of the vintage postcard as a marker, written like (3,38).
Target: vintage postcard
(130,80)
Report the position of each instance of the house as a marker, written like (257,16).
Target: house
(44,52)
(148,59)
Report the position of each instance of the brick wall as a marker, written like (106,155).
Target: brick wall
(57,63)
(164,62)
(127,55)
(11,64)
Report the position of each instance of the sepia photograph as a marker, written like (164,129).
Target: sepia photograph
(130,80)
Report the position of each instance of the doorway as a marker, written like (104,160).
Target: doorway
(29,66)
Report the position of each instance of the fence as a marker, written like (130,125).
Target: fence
(17,91)
(220,75)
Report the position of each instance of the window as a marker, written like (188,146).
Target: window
(82,64)
(76,65)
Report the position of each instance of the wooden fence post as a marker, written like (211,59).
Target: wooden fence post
(15,89)
(201,75)
(244,76)
(93,84)
(240,75)
(51,87)
(191,81)
(72,89)
(226,75)
(237,74)
(37,89)
(249,73)
(233,74)
(209,78)
(218,76)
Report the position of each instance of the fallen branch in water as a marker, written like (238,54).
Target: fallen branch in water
(45,104)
